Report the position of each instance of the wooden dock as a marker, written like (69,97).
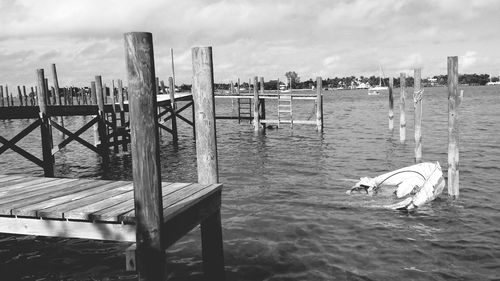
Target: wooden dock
(151,213)
(96,209)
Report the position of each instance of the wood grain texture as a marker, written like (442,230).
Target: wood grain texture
(56,83)
(453,130)
(204,108)
(145,153)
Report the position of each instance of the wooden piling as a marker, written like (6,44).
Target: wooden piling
(173,105)
(45,129)
(402,106)
(319,104)
(25,96)
(101,124)
(145,155)
(1,96)
(391,104)
(7,94)
(262,108)
(206,151)
(20,95)
(454,101)
(56,83)
(417,106)
(256,121)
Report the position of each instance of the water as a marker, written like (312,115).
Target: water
(285,212)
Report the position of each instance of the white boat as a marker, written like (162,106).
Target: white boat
(416,185)
(375,91)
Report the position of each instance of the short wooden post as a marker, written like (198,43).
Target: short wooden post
(256,120)
(25,96)
(417,106)
(20,95)
(45,129)
(56,83)
(206,153)
(319,104)
(391,104)
(262,108)
(145,155)
(1,95)
(7,94)
(173,105)
(402,106)
(101,124)
(454,101)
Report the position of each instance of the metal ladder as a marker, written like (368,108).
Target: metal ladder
(285,109)
(244,108)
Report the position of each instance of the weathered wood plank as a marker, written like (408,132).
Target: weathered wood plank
(82,191)
(85,198)
(24,187)
(68,229)
(113,212)
(22,182)
(172,191)
(176,207)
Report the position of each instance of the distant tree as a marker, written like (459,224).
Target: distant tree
(294,76)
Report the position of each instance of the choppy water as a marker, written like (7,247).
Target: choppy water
(285,212)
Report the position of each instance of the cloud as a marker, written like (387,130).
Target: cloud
(249,37)
(468,60)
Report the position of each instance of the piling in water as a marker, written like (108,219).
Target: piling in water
(417,106)
(454,100)
(402,108)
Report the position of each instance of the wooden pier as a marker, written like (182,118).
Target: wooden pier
(148,212)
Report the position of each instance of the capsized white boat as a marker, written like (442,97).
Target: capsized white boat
(417,184)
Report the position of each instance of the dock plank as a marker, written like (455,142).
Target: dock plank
(9,195)
(114,212)
(179,206)
(10,177)
(106,191)
(22,183)
(82,191)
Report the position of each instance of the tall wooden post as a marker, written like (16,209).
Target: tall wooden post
(56,83)
(454,101)
(262,108)
(417,106)
(391,104)
(46,134)
(146,167)
(206,153)
(256,120)
(101,124)
(173,105)
(402,106)
(319,104)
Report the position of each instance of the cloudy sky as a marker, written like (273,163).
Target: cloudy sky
(267,38)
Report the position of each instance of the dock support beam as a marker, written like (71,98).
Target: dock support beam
(46,134)
(319,104)
(402,106)
(206,152)
(417,106)
(454,101)
(145,155)
(56,83)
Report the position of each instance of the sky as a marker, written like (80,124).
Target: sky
(266,38)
